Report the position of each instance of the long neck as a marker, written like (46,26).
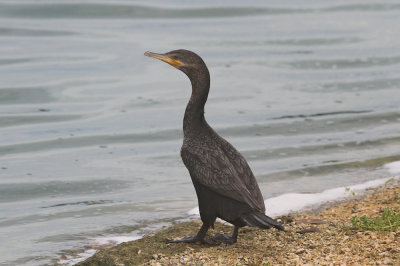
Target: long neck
(194,114)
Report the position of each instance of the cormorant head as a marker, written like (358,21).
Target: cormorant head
(186,61)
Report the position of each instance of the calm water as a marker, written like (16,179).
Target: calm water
(90,129)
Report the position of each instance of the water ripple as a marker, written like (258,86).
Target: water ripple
(361,85)
(15,120)
(115,11)
(345,63)
(25,32)
(11,96)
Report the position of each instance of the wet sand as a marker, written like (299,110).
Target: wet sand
(319,236)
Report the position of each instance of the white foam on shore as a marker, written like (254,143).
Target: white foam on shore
(98,244)
(393,167)
(292,202)
(82,256)
(115,239)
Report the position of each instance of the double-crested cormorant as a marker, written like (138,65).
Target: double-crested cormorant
(224,183)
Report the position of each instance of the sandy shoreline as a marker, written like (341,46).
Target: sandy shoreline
(330,242)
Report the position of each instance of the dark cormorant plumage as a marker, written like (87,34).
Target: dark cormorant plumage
(224,183)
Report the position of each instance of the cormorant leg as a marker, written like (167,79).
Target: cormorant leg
(227,239)
(201,236)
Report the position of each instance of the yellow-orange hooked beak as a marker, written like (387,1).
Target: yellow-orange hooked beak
(165,58)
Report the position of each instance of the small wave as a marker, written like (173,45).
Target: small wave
(323,114)
(394,167)
(70,260)
(85,203)
(98,244)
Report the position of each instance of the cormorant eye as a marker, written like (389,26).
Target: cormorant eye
(175,57)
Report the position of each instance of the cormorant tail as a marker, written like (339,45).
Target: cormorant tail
(260,220)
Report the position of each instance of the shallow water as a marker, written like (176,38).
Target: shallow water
(91,129)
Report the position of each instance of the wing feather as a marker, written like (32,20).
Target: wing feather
(217,165)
